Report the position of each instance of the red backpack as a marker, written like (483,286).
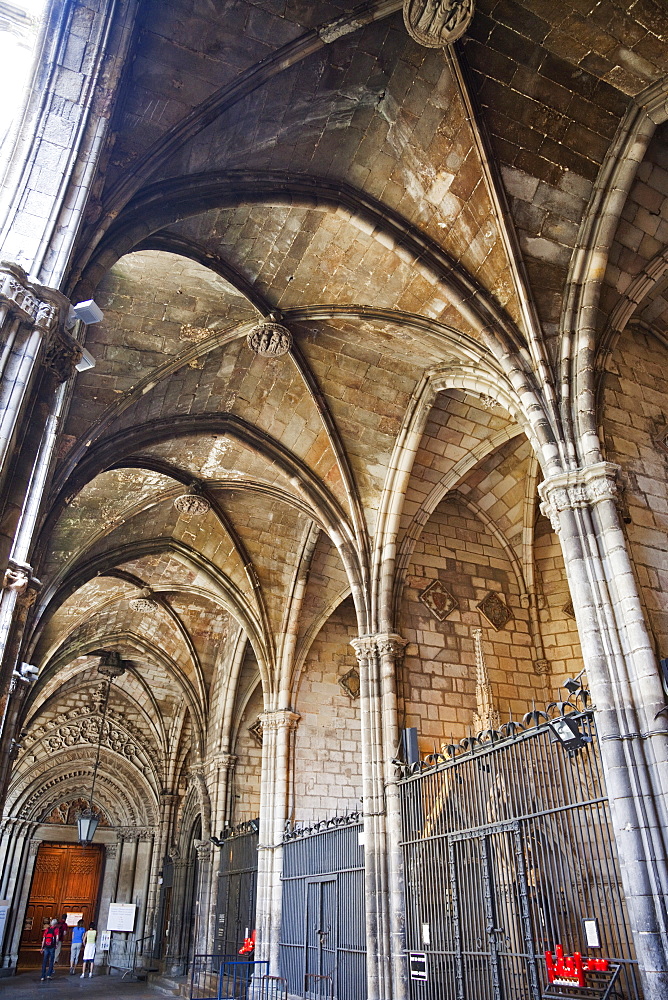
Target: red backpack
(50,937)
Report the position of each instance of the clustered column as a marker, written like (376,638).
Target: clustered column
(377,656)
(277,735)
(623,677)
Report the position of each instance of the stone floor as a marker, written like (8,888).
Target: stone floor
(27,986)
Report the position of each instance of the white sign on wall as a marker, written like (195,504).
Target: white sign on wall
(105,940)
(121,917)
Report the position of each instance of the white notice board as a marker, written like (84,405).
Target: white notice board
(121,917)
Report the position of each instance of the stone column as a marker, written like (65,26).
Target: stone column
(383,868)
(18,860)
(277,739)
(26,859)
(203,944)
(628,696)
(108,891)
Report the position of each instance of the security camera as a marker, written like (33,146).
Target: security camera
(85,362)
(88,312)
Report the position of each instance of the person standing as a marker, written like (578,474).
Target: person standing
(75,948)
(62,928)
(90,939)
(48,949)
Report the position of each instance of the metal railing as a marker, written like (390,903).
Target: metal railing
(323,938)
(318,987)
(507,849)
(237,886)
(228,977)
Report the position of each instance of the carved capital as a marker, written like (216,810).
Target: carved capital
(111,851)
(578,489)
(541,666)
(33,847)
(365,647)
(391,644)
(282,719)
(203,852)
(225,761)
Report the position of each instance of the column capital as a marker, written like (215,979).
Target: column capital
(382,643)
(282,718)
(223,760)
(577,489)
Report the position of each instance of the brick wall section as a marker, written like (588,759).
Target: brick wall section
(438,677)
(328,753)
(635,425)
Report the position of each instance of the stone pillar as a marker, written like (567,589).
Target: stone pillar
(277,739)
(383,868)
(25,861)
(626,689)
(18,861)
(203,944)
(108,891)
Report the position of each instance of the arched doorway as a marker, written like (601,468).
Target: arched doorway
(66,879)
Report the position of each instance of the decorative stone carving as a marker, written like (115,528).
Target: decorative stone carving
(67,813)
(203,852)
(17,577)
(350,683)
(486,716)
(111,851)
(439,600)
(569,610)
(145,603)
(435,23)
(365,646)
(281,719)
(495,610)
(62,354)
(256,732)
(578,489)
(390,644)
(33,847)
(541,666)
(192,502)
(270,339)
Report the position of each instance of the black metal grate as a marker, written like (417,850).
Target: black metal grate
(507,848)
(237,888)
(323,941)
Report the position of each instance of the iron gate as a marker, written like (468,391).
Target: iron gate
(323,942)
(237,887)
(507,849)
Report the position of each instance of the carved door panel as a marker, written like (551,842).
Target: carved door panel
(66,879)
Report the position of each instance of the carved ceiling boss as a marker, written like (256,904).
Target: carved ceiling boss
(435,23)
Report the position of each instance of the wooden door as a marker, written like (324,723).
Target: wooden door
(66,879)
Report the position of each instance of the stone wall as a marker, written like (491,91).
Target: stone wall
(327,745)
(437,686)
(636,435)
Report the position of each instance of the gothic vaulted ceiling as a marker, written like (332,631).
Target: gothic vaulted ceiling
(390,205)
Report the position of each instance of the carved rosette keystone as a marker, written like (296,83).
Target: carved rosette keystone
(270,339)
(436,23)
(192,502)
(579,489)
